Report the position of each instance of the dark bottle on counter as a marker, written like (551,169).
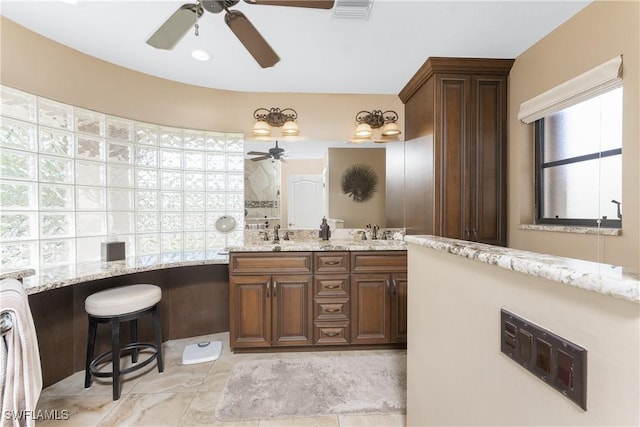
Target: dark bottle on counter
(325,230)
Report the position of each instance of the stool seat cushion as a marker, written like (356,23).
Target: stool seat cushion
(122,300)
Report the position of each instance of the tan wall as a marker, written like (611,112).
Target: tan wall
(456,374)
(601,31)
(38,65)
(295,167)
(341,206)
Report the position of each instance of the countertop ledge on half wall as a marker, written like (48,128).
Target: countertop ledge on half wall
(606,279)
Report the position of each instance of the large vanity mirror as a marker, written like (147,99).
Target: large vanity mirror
(319,179)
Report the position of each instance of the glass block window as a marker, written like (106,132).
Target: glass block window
(70,178)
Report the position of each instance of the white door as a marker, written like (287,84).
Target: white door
(304,198)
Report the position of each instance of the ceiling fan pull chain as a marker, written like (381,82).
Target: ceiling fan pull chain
(197,27)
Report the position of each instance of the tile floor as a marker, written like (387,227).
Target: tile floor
(183,395)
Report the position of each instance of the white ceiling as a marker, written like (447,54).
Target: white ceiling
(319,53)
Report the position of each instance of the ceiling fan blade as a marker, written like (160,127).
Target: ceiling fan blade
(174,28)
(251,39)
(315,4)
(257,159)
(258,153)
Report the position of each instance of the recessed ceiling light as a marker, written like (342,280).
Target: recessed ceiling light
(200,55)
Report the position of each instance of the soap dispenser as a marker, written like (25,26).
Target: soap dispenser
(325,230)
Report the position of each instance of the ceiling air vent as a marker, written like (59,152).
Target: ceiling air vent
(352,9)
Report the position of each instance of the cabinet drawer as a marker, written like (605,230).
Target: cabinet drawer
(331,285)
(331,309)
(265,263)
(331,262)
(379,261)
(332,333)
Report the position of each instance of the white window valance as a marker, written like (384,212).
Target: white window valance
(587,85)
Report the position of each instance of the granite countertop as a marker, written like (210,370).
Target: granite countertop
(71,274)
(606,279)
(323,245)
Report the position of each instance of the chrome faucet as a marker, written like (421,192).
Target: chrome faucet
(276,238)
(374,232)
(266,235)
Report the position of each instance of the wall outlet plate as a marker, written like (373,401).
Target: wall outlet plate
(555,360)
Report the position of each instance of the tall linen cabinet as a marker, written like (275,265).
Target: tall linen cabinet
(455,149)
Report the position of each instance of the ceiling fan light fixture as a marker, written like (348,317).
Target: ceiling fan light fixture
(261,128)
(200,55)
(363,131)
(290,128)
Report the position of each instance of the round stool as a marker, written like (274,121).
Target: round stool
(117,305)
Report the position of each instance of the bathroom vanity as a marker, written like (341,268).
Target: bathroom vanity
(322,297)
(296,295)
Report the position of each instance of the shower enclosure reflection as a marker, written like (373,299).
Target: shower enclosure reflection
(262,190)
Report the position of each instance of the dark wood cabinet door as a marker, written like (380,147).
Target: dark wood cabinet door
(452,155)
(399,307)
(487,192)
(370,315)
(292,310)
(250,311)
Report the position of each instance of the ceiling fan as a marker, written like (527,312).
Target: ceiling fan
(183,19)
(275,153)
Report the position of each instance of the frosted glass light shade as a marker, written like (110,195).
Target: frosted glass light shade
(390,129)
(261,128)
(290,128)
(363,130)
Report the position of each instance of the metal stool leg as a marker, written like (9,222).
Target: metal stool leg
(134,338)
(115,354)
(91,343)
(158,333)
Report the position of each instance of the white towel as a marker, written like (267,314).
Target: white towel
(20,371)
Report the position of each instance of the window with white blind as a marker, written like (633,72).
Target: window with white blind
(578,149)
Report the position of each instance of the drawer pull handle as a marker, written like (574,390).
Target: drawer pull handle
(331,310)
(332,286)
(331,334)
(332,262)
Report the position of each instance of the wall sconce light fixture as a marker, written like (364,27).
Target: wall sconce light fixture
(275,117)
(377,119)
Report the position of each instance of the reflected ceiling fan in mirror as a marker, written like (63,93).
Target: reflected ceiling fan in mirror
(187,15)
(275,153)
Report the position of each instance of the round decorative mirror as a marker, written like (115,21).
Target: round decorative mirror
(225,224)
